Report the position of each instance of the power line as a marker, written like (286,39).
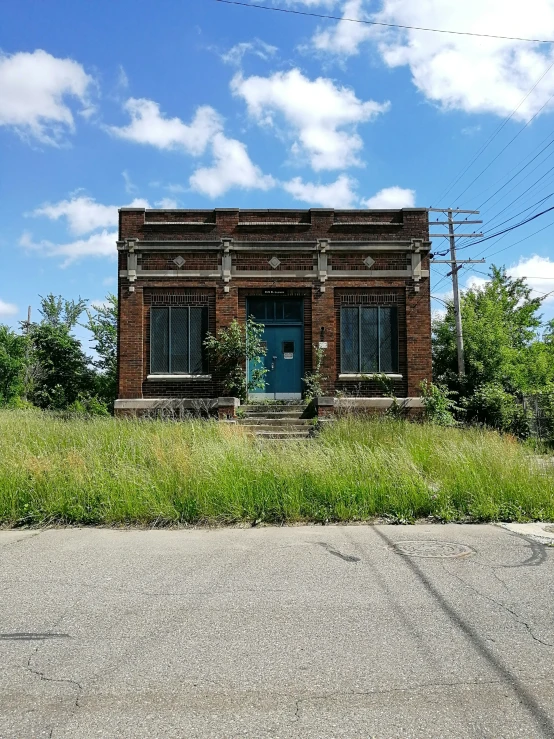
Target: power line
(518,242)
(525,277)
(512,228)
(516,166)
(494,135)
(467,243)
(382,23)
(510,142)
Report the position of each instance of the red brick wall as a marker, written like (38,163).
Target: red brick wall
(193,260)
(321,309)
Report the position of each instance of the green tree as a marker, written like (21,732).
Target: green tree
(102,323)
(502,346)
(57,311)
(13,355)
(62,374)
(231,351)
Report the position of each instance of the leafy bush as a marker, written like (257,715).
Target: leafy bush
(540,407)
(438,407)
(491,405)
(102,323)
(62,368)
(313,381)
(13,349)
(231,351)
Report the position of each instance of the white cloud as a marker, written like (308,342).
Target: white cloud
(391,197)
(122,79)
(8,309)
(84,214)
(539,274)
(338,194)
(130,186)
(475,283)
(437,314)
(256,47)
(149,126)
(97,245)
(312,3)
(34,88)
(472,74)
(175,188)
(232,168)
(345,37)
(167,203)
(322,115)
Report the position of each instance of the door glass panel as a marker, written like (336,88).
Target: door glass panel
(288,349)
(369,340)
(292,310)
(256,308)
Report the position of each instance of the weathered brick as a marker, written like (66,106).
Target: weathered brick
(321,309)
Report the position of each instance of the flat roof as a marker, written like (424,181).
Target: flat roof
(273,210)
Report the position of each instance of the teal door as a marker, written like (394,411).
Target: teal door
(283,336)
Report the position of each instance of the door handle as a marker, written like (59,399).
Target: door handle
(273,363)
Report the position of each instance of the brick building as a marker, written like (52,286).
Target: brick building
(355,282)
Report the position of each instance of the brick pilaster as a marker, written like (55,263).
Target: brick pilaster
(131,360)
(418,336)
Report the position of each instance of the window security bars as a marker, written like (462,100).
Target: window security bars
(369,339)
(176,340)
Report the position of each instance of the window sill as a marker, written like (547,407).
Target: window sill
(391,375)
(163,378)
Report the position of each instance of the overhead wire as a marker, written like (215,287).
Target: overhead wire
(487,143)
(510,142)
(495,133)
(382,23)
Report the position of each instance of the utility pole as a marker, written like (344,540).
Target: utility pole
(456,266)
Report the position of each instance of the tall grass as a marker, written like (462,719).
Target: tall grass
(104,471)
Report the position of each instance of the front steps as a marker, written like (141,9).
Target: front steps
(275,421)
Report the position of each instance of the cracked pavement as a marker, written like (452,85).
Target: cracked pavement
(310,632)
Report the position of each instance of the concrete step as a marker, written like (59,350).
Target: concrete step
(253,408)
(290,440)
(286,417)
(283,435)
(277,428)
(270,420)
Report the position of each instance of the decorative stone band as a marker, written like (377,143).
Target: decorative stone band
(320,272)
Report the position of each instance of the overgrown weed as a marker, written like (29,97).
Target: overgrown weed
(110,472)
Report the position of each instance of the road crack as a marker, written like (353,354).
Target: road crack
(42,675)
(498,603)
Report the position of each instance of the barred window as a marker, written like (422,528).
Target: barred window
(177,340)
(369,339)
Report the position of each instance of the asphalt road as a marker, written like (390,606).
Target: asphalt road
(294,632)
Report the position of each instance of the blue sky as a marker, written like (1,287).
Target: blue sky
(200,104)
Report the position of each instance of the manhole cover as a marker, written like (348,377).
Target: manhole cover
(432,549)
